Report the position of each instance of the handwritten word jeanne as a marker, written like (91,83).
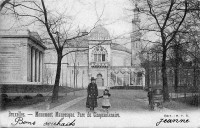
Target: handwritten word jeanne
(162,120)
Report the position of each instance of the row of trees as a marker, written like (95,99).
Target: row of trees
(175,24)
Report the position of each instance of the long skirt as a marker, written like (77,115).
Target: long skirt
(91,102)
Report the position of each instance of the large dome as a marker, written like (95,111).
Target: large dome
(99,33)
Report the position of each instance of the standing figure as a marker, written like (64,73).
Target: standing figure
(106,100)
(92,93)
(150,96)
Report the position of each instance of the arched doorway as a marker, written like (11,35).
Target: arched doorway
(99,80)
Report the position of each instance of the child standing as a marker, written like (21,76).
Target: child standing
(106,100)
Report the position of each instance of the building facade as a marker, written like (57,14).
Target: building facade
(96,56)
(21,57)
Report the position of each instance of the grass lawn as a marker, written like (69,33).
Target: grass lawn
(192,100)
(174,105)
(190,103)
(20,102)
(33,89)
(35,103)
(16,102)
(61,100)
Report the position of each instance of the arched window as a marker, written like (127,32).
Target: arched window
(99,54)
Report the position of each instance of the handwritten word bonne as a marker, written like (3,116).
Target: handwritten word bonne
(20,120)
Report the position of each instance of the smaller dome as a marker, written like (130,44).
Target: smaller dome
(99,33)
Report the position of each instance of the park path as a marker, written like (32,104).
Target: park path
(121,100)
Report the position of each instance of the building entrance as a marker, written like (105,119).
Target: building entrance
(99,80)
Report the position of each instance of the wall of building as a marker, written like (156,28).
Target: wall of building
(80,59)
(120,58)
(13,60)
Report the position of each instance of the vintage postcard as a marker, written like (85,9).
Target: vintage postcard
(99,63)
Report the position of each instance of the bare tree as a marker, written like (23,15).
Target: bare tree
(186,43)
(164,18)
(58,26)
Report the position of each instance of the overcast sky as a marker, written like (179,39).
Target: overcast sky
(116,14)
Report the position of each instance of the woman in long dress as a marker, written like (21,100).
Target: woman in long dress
(92,93)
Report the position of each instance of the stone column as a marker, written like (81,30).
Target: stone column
(36,65)
(33,64)
(41,66)
(29,63)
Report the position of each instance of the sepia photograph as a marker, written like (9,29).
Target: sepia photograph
(100,63)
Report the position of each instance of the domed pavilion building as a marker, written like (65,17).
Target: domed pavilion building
(96,56)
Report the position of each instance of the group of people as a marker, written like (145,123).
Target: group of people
(92,96)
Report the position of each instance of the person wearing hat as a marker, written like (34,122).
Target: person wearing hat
(106,100)
(92,94)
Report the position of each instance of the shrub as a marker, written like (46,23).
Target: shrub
(28,97)
(7,100)
(194,100)
(39,95)
(3,96)
(17,98)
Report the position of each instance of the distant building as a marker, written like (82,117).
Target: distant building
(21,57)
(98,56)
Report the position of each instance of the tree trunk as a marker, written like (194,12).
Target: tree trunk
(164,77)
(57,80)
(148,72)
(194,77)
(176,79)
(177,62)
(74,78)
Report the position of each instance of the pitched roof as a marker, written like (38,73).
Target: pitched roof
(34,36)
(119,47)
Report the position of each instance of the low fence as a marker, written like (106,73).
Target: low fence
(188,89)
